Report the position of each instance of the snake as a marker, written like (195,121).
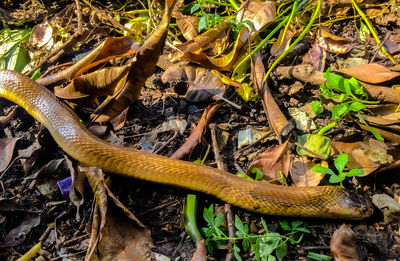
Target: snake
(70,133)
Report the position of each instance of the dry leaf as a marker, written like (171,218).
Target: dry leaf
(197,133)
(259,13)
(332,43)
(371,73)
(272,162)
(343,245)
(7,146)
(204,38)
(389,207)
(116,234)
(276,118)
(18,234)
(283,41)
(142,68)
(302,173)
(203,85)
(111,48)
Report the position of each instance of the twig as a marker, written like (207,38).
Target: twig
(227,208)
(168,141)
(157,208)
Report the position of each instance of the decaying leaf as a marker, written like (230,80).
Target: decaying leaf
(204,38)
(197,133)
(276,118)
(203,85)
(371,73)
(111,48)
(7,146)
(302,173)
(332,43)
(224,62)
(389,207)
(273,162)
(258,13)
(18,234)
(344,246)
(98,83)
(283,41)
(116,234)
(142,68)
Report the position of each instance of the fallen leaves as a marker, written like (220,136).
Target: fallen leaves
(7,146)
(371,73)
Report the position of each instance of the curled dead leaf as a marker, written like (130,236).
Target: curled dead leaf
(273,162)
(343,245)
(7,146)
(302,173)
(203,85)
(258,13)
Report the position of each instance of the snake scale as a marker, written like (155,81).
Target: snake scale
(73,137)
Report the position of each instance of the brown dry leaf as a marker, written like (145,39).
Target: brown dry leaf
(111,48)
(302,173)
(116,234)
(7,146)
(259,13)
(276,118)
(55,166)
(332,43)
(283,41)
(371,73)
(204,38)
(382,93)
(6,119)
(203,85)
(77,190)
(317,56)
(188,24)
(18,234)
(272,162)
(119,121)
(197,133)
(387,135)
(224,62)
(388,205)
(98,83)
(370,155)
(29,155)
(142,68)
(343,244)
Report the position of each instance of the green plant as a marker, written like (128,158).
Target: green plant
(350,96)
(340,164)
(267,246)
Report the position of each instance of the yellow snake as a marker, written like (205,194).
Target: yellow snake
(73,137)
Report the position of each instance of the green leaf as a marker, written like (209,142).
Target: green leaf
(264,224)
(281,250)
(245,245)
(355,172)
(372,130)
(364,31)
(236,251)
(239,224)
(285,225)
(338,110)
(336,179)
(194,8)
(317,107)
(296,224)
(208,214)
(303,229)
(357,106)
(341,161)
(203,23)
(316,143)
(219,219)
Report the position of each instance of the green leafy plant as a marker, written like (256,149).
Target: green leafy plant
(350,96)
(340,164)
(267,246)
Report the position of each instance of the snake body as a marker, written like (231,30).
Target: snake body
(73,137)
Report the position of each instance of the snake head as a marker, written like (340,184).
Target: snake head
(353,206)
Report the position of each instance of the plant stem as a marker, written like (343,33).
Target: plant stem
(234,4)
(371,29)
(314,16)
(326,128)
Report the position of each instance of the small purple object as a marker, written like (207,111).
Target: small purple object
(64,186)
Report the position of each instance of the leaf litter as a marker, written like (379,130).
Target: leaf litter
(218,36)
